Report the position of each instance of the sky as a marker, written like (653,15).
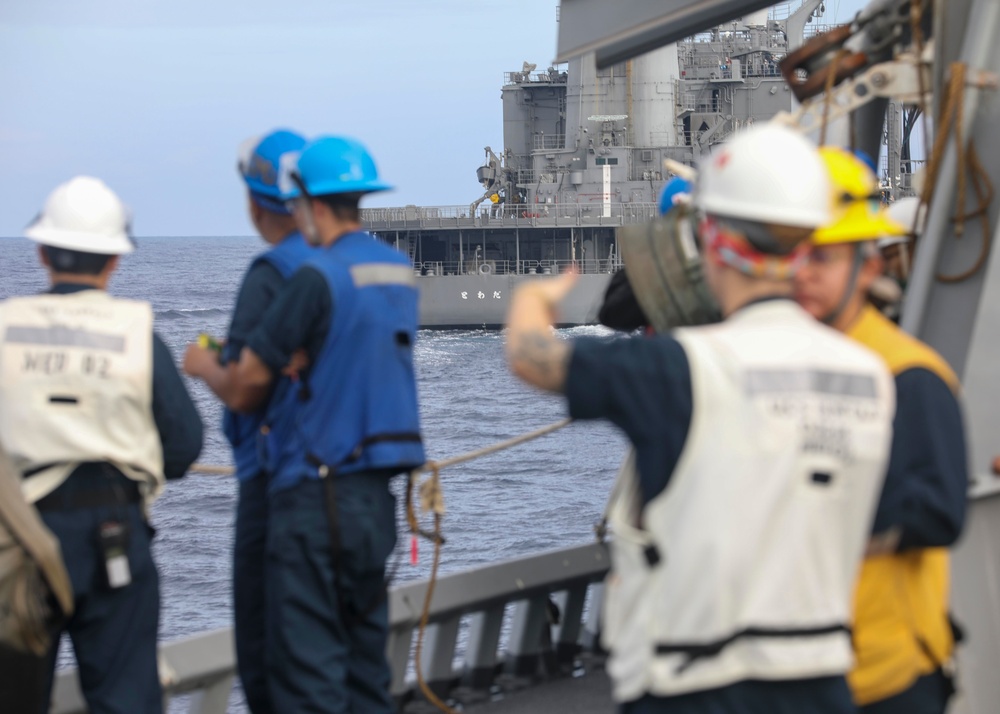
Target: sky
(155,96)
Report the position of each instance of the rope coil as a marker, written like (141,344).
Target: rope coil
(431,500)
(969,165)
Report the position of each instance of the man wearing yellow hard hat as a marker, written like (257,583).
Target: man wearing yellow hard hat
(902,636)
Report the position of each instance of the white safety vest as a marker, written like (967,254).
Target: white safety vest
(76,385)
(744,566)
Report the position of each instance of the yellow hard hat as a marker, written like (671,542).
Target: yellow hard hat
(858,211)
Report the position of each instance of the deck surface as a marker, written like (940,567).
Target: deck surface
(589,693)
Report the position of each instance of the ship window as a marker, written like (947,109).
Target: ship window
(601,161)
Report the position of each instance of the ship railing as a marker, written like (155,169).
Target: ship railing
(586,266)
(489,628)
(554,77)
(813,29)
(472,266)
(544,142)
(526,177)
(446,268)
(501,215)
(782,11)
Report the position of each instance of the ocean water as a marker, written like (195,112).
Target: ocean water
(542,495)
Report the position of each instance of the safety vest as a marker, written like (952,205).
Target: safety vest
(242,429)
(358,411)
(744,566)
(901,629)
(76,385)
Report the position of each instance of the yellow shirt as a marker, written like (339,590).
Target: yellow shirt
(901,628)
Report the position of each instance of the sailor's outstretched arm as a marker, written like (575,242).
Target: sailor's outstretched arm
(242,386)
(534,353)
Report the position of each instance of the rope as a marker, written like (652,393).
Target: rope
(425,615)
(212,469)
(431,499)
(968,163)
(984,189)
(430,466)
(831,78)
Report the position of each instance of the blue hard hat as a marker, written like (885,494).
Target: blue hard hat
(675,188)
(260,159)
(336,164)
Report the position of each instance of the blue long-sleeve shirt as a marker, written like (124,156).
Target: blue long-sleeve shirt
(927,480)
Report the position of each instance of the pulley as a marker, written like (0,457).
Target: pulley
(665,271)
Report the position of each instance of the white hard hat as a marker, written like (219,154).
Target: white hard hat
(768,174)
(83,214)
(907,212)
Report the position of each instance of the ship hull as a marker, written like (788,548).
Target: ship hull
(482,301)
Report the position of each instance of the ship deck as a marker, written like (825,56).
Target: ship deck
(588,694)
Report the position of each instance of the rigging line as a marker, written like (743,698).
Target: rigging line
(431,499)
(220,470)
(493,448)
(831,79)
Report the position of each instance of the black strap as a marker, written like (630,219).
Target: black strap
(358,451)
(99,498)
(333,523)
(28,473)
(328,476)
(699,651)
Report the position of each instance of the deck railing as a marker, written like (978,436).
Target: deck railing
(473,266)
(523,594)
(508,215)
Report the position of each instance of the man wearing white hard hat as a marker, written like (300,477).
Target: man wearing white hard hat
(95,417)
(909,213)
(740,527)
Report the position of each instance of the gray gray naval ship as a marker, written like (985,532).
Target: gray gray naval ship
(583,154)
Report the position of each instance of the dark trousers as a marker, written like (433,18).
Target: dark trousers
(113,631)
(249,602)
(326,636)
(23,679)
(928,695)
(826,695)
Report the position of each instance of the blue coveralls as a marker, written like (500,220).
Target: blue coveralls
(114,632)
(265,277)
(353,308)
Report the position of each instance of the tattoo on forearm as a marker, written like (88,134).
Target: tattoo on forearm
(543,355)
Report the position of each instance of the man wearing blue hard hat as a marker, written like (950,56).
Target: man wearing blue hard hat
(677,191)
(259,165)
(347,322)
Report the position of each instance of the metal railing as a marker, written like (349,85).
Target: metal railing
(474,266)
(555,77)
(507,215)
(543,142)
(526,177)
(521,592)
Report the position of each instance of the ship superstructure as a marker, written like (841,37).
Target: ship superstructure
(584,153)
